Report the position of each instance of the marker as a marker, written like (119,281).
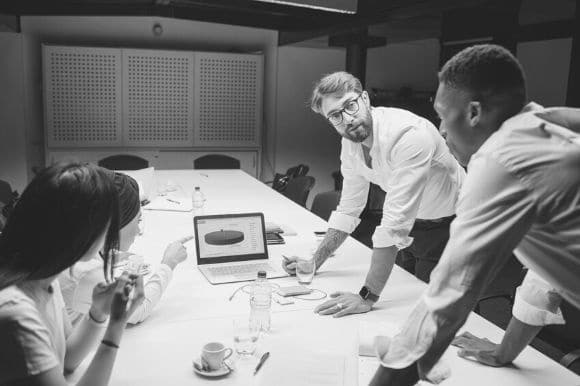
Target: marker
(262,360)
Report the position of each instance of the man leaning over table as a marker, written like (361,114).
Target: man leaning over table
(521,194)
(407,157)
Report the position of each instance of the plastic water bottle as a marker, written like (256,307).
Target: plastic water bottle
(198,201)
(261,302)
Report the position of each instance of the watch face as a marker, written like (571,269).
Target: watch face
(364,292)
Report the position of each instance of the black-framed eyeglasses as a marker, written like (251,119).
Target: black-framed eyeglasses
(351,108)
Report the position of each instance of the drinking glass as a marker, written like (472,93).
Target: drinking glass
(245,336)
(305,269)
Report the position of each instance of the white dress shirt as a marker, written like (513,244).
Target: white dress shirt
(411,163)
(78,282)
(521,194)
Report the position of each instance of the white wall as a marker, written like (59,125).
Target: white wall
(136,32)
(546,65)
(12,118)
(413,64)
(304,137)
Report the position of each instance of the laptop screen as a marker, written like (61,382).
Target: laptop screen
(232,237)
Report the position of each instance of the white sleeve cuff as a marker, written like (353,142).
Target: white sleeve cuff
(386,236)
(533,315)
(343,222)
(166,272)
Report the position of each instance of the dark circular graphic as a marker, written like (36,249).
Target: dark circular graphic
(224,237)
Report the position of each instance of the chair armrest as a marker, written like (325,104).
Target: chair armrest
(569,359)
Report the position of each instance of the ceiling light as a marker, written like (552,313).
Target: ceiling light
(340,6)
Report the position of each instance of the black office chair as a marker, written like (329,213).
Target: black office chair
(298,189)
(216,161)
(565,337)
(7,201)
(338,178)
(5,192)
(124,162)
(371,215)
(324,203)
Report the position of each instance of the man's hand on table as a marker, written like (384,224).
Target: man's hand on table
(480,349)
(344,303)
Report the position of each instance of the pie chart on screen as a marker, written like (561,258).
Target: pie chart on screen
(224,237)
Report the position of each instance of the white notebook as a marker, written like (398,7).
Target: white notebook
(170,203)
(304,367)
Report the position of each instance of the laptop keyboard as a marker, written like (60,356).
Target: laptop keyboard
(236,270)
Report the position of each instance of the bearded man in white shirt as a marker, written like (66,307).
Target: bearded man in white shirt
(521,194)
(406,156)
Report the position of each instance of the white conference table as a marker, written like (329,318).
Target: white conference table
(193,312)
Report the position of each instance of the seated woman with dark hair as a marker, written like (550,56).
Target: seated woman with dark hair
(66,214)
(77,283)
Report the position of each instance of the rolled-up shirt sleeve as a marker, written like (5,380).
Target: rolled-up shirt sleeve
(353,198)
(154,288)
(494,212)
(411,159)
(537,303)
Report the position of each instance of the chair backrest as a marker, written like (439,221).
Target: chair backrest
(298,189)
(338,178)
(324,203)
(5,192)
(216,161)
(124,162)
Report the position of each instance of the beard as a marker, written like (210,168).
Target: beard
(357,133)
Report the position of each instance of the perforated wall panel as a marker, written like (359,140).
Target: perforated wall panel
(228,99)
(82,96)
(158,98)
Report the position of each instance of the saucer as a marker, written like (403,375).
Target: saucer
(224,370)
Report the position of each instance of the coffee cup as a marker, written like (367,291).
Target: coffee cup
(213,355)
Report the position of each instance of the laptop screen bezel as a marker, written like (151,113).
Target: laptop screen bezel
(229,259)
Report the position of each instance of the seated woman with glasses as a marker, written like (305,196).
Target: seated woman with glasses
(78,282)
(66,214)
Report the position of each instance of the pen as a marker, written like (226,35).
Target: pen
(170,200)
(262,360)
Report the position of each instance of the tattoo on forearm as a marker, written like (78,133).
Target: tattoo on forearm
(333,239)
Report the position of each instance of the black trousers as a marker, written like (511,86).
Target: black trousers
(429,240)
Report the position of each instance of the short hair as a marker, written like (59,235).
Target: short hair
(337,83)
(491,74)
(60,215)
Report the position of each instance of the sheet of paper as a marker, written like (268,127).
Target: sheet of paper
(170,203)
(367,331)
(291,368)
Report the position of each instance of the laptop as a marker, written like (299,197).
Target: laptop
(232,248)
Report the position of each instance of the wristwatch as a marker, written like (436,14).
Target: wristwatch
(366,293)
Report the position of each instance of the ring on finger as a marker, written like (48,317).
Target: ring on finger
(339,306)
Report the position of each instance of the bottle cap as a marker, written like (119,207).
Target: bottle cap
(197,188)
(262,274)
